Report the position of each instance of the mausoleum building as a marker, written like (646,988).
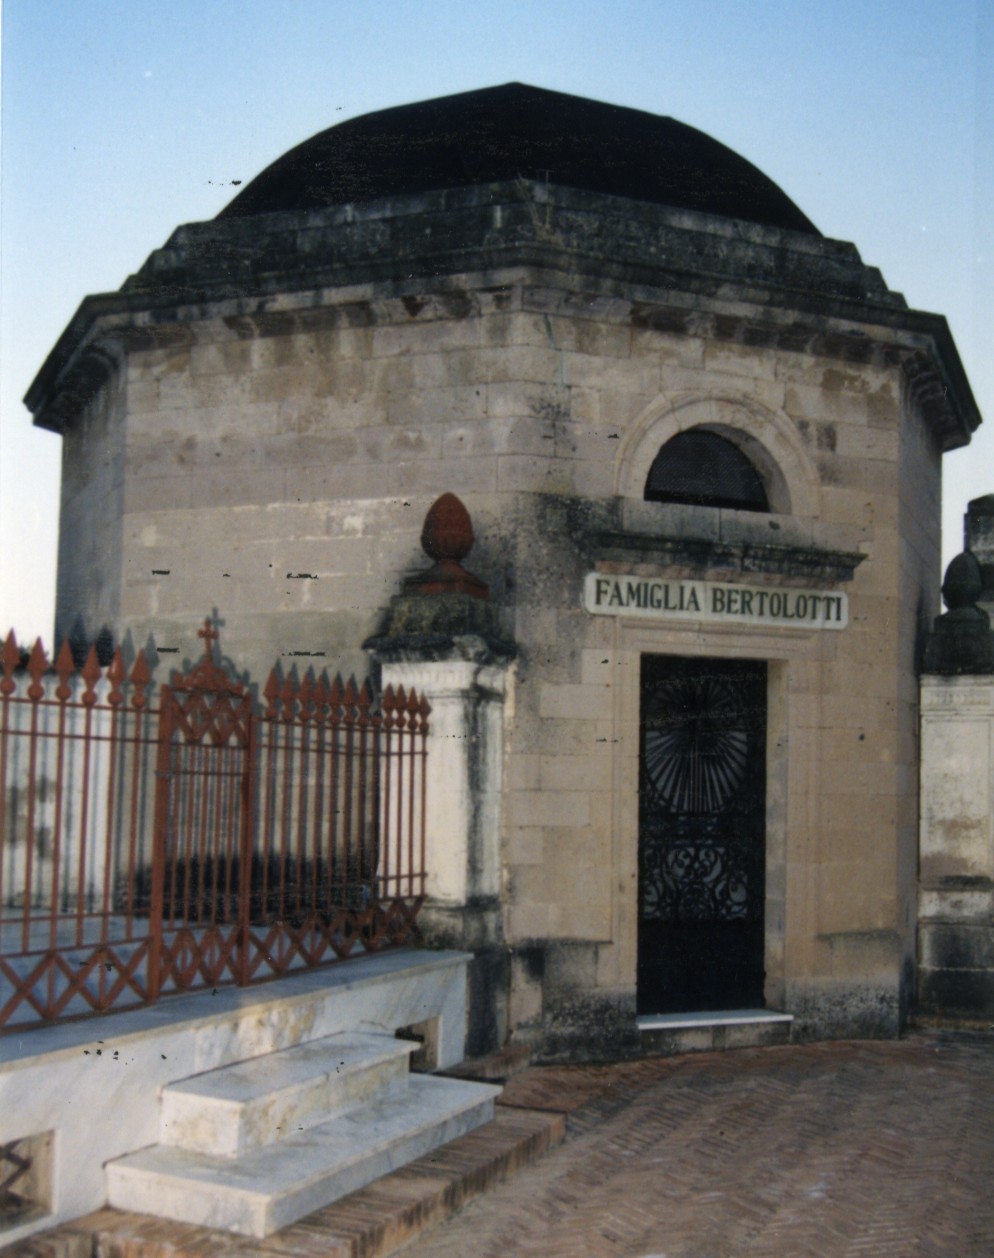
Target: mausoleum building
(698,446)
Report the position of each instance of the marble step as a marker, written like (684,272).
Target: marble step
(238,1108)
(670,1034)
(272,1187)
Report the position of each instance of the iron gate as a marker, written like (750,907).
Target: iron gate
(701,834)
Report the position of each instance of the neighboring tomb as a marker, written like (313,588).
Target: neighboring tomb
(700,447)
(956,860)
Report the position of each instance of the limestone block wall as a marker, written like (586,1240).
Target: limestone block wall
(956,873)
(88,585)
(281,478)
(839,903)
(919,578)
(859,710)
(279,471)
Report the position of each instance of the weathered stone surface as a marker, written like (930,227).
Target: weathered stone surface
(956,847)
(233,265)
(836,1009)
(418,626)
(264,414)
(956,992)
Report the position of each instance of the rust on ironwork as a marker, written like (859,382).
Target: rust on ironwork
(64,669)
(91,675)
(140,677)
(115,675)
(10,658)
(198,840)
(37,668)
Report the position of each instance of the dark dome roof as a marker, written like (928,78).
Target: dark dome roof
(515,131)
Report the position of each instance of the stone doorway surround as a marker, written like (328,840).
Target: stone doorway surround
(633,639)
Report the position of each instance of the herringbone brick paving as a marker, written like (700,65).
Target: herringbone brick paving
(374,1220)
(820,1151)
(817,1151)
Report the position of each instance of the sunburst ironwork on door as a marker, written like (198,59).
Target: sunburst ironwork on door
(696,745)
(698,862)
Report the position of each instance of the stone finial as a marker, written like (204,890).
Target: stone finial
(961,641)
(962,585)
(447,538)
(446,612)
(448,530)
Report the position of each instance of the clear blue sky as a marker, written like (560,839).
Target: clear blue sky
(123,118)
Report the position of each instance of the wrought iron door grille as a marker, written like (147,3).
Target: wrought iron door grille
(701,833)
(696,744)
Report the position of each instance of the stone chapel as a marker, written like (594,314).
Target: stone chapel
(695,447)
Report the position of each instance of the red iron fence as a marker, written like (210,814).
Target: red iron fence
(206,838)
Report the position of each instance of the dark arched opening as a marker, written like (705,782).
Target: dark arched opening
(704,469)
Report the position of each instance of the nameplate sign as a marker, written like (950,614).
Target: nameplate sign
(716,602)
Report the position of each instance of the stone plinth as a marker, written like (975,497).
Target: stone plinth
(447,647)
(956,895)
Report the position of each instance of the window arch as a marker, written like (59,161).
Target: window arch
(702,468)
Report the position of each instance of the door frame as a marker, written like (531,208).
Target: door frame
(630,639)
(734,976)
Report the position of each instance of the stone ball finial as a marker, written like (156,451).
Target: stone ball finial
(963,583)
(961,641)
(448,530)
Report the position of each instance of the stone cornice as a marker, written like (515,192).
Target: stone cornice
(702,556)
(678,271)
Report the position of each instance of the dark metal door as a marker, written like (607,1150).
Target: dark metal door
(702,792)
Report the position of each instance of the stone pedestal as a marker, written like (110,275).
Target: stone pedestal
(462,773)
(447,646)
(956,847)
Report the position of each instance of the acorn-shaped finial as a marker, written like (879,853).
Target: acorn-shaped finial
(447,538)
(448,530)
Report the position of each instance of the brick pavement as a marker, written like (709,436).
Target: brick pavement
(374,1220)
(847,1149)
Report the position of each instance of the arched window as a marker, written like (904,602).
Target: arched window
(703,469)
